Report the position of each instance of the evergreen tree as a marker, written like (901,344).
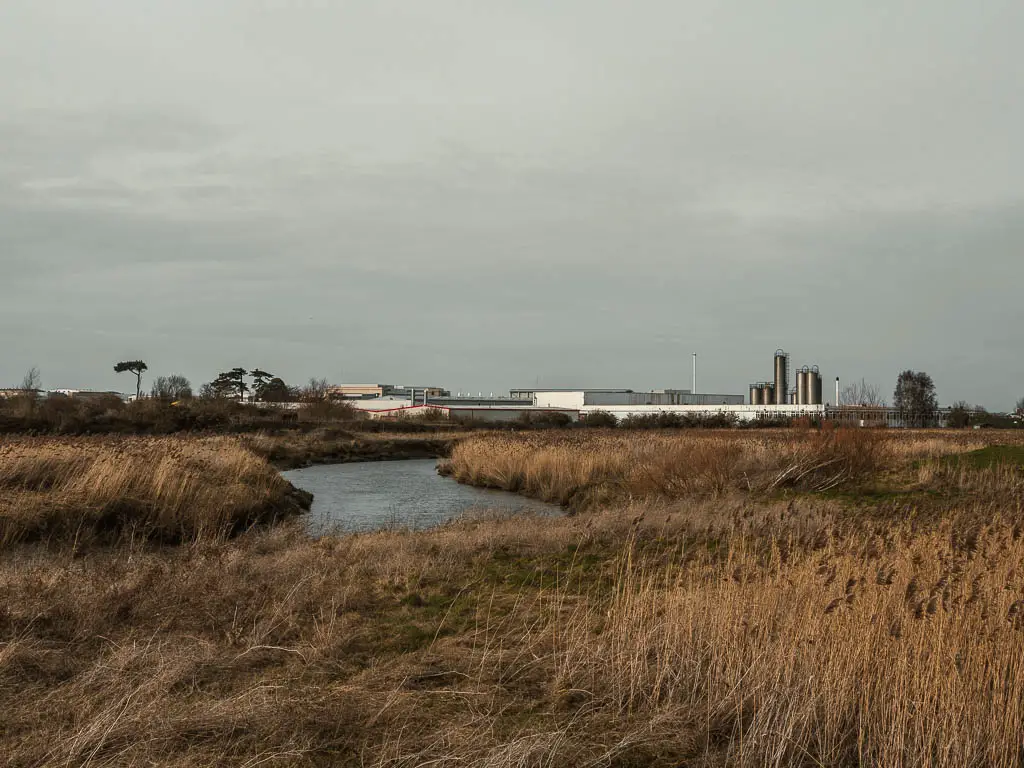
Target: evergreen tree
(133,366)
(231,384)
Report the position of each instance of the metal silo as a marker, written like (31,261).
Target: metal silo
(801,385)
(769,394)
(781,376)
(815,388)
(755,394)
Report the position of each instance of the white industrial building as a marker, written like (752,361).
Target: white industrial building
(581,398)
(517,412)
(742,412)
(577,404)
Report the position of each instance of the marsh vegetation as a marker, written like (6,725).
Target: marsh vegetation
(744,598)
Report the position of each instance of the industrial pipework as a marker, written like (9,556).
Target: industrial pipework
(807,389)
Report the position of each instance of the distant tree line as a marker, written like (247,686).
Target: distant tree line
(265,387)
(235,384)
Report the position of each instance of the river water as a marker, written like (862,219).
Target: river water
(368,496)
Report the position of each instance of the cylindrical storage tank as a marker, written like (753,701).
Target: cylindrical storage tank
(801,386)
(815,388)
(781,376)
(769,394)
(755,394)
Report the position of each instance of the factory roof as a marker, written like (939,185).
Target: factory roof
(565,389)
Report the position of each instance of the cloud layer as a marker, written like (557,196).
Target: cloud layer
(487,195)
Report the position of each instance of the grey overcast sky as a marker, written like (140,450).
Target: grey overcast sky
(491,194)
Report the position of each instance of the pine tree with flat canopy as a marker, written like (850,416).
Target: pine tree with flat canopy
(133,366)
(228,383)
(260,380)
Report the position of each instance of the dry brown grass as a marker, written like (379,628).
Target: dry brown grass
(705,629)
(1004,481)
(172,489)
(582,469)
(712,632)
(912,654)
(585,469)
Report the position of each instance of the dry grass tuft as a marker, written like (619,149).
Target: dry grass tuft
(169,489)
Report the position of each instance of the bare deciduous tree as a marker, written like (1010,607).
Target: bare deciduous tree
(315,391)
(861,393)
(32,382)
(173,387)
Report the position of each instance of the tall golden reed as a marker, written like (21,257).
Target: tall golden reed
(167,488)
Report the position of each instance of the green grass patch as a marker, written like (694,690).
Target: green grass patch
(989,456)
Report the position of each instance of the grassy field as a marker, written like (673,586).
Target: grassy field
(793,598)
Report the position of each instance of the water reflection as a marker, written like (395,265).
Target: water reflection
(410,494)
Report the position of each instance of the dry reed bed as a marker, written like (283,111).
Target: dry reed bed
(711,632)
(707,630)
(171,489)
(912,657)
(584,469)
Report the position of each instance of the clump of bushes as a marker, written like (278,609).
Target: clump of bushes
(61,415)
(670,420)
(554,419)
(774,422)
(600,419)
(328,410)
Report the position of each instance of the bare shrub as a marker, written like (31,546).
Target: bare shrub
(328,410)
